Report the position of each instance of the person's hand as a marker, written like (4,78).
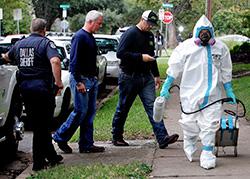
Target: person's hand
(229,92)
(147,58)
(157,82)
(60,87)
(81,87)
(165,87)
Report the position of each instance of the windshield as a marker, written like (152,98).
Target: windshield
(107,44)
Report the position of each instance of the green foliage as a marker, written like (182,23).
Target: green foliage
(76,22)
(97,171)
(9,26)
(232,21)
(48,10)
(241,53)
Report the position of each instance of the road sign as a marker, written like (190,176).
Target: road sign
(161,14)
(167,5)
(64,6)
(17,14)
(168,17)
(64,13)
(1,13)
(64,24)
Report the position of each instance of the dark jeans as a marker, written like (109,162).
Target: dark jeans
(131,85)
(39,102)
(82,115)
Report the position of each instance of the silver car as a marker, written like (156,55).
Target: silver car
(108,46)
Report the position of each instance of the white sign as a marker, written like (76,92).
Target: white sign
(1,13)
(64,13)
(17,14)
(161,14)
(64,24)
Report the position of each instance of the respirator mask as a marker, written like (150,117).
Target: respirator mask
(205,37)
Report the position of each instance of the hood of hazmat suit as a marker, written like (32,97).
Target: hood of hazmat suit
(204,69)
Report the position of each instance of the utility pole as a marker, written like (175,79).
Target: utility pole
(209,9)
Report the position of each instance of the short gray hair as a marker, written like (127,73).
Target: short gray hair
(38,25)
(93,15)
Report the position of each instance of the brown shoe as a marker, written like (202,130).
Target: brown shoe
(92,149)
(168,140)
(120,142)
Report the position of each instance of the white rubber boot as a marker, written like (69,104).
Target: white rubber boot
(207,160)
(189,147)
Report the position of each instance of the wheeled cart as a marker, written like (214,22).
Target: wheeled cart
(228,133)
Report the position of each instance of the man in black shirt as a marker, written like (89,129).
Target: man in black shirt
(139,76)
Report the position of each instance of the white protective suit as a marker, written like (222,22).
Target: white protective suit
(204,70)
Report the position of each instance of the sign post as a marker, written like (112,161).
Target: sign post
(64,23)
(17,14)
(161,16)
(1,18)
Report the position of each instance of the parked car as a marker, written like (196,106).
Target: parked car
(11,126)
(108,46)
(235,37)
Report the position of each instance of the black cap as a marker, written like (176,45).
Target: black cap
(150,17)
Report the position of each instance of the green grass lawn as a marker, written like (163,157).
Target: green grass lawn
(98,171)
(241,88)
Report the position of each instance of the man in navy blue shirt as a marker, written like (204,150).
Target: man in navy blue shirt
(139,76)
(84,86)
(38,76)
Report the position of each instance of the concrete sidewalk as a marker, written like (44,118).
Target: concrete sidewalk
(170,162)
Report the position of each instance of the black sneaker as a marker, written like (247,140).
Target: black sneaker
(92,149)
(168,140)
(55,160)
(120,142)
(64,147)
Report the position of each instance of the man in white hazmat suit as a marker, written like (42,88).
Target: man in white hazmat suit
(205,65)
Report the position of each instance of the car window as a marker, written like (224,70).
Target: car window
(68,47)
(61,52)
(107,44)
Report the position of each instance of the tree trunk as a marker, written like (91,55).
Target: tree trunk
(172,40)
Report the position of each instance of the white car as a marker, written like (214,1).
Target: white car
(64,102)
(108,46)
(234,37)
